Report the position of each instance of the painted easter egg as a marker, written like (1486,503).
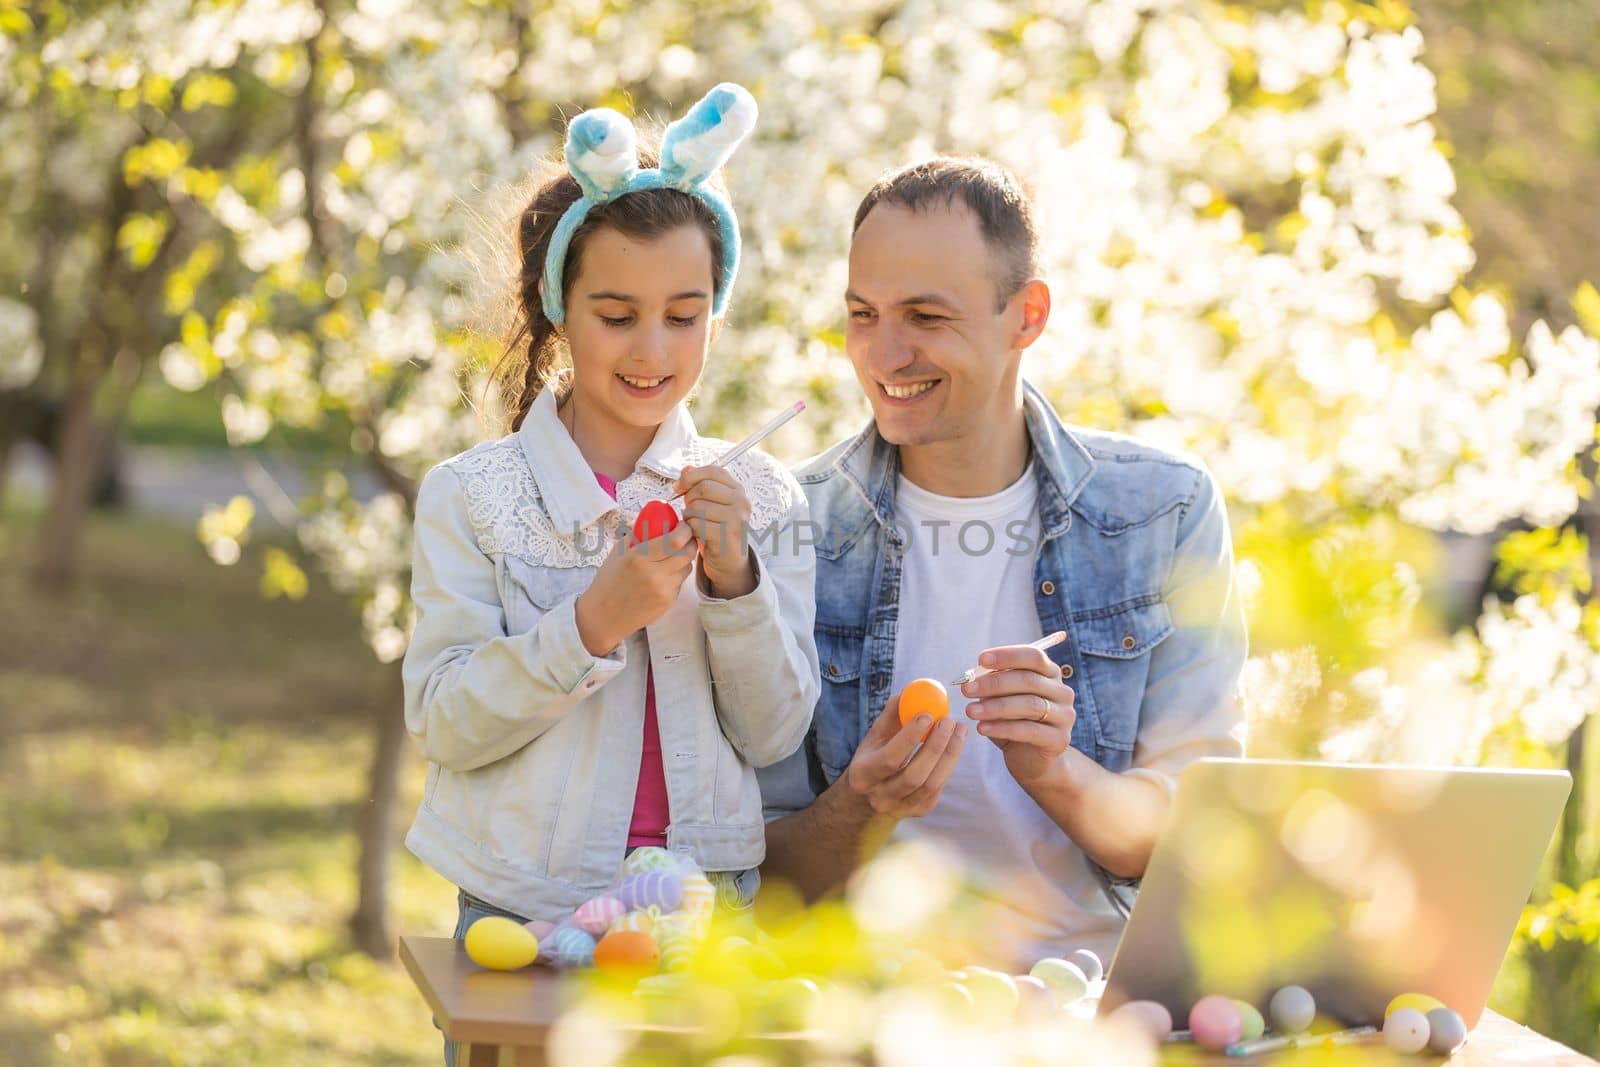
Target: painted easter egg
(1405,1030)
(641,921)
(1215,1022)
(656,519)
(1254,1024)
(540,928)
(1291,1010)
(595,916)
(648,858)
(993,993)
(500,944)
(1034,998)
(1146,1015)
(652,889)
(923,696)
(677,941)
(571,947)
(699,895)
(1065,979)
(1418,1002)
(1089,964)
(628,952)
(1447,1031)
(792,1001)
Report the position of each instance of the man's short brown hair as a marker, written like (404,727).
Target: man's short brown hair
(991,192)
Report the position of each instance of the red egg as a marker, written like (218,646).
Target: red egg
(656,518)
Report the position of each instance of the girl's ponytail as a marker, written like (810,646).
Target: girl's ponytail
(532,351)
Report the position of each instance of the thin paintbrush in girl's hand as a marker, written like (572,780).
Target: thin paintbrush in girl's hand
(755,439)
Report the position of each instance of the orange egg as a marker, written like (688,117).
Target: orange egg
(923,696)
(628,951)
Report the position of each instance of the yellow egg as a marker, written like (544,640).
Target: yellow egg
(501,944)
(1420,1001)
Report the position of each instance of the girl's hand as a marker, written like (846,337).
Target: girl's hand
(633,588)
(716,509)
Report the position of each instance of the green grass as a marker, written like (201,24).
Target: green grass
(181,764)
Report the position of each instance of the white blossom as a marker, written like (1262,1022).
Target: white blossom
(1268,346)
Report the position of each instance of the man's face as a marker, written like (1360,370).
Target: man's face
(935,357)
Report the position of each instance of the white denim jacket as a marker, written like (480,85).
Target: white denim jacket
(533,743)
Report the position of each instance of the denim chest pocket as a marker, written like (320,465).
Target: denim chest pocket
(840,652)
(1116,643)
(527,592)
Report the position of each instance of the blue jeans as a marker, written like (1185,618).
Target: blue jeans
(469,910)
(736,891)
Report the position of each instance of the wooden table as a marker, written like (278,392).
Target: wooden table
(503,1019)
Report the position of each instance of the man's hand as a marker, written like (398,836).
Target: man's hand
(718,512)
(1025,708)
(894,781)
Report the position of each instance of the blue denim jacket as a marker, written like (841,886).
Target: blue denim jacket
(1135,564)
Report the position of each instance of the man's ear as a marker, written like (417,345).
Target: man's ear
(1033,302)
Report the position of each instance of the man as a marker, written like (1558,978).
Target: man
(965,522)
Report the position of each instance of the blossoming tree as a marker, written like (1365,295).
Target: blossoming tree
(1249,235)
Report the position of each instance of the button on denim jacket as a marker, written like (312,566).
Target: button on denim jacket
(1135,564)
(533,743)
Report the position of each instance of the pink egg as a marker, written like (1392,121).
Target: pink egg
(1150,1017)
(540,928)
(594,917)
(1215,1022)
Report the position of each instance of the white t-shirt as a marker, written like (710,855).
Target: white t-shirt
(967,586)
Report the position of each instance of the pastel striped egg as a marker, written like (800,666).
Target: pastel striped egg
(675,935)
(641,921)
(652,889)
(699,895)
(596,916)
(645,859)
(571,947)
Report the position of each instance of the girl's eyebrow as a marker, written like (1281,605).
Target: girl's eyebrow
(607,294)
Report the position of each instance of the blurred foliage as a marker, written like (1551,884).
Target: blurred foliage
(1544,561)
(1519,101)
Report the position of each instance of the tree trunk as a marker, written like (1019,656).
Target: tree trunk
(370,925)
(82,453)
(77,469)
(10,433)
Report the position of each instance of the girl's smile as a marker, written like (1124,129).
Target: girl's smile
(644,387)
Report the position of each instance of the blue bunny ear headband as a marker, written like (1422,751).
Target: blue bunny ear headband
(603,155)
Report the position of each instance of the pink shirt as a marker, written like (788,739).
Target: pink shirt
(650,811)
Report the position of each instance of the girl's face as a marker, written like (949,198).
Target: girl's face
(639,323)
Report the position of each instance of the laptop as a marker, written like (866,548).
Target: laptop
(1358,882)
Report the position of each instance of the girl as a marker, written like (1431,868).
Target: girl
(578,694)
